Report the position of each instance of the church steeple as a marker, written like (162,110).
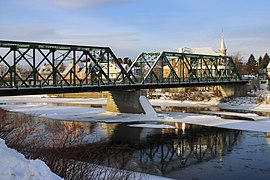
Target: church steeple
(222,50)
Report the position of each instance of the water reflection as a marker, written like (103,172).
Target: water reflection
(71,148)
(185,109)
(140,149)
(163,153)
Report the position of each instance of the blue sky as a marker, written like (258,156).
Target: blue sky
(132,26)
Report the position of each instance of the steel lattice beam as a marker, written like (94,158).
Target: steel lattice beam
(181,67)
(34,68)
(51,57)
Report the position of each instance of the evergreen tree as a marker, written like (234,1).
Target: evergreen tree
(120,60)
(260,64)
(252,65)
(265,60)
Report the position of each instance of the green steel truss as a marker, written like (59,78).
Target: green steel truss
(33,64)
(33,67)
(173,67)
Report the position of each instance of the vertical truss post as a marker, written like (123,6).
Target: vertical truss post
(53,67)
(34,68)
(73,68)
(87,71)
(211,67)
(201,69)
(108,67)
(162,70)
(14,68)
(216,68)
(197,65)
(141,71)
(183,68)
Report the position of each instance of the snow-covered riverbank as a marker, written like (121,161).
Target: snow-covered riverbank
(15,166)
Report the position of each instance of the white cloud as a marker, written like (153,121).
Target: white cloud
(31,33)
(78,3)
(87,3)
(122,43)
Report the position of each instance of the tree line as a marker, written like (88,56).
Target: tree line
(252,66)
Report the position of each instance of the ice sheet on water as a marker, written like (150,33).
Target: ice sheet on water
(244,115)
(155,126)
(100,115)
(214,121)
(157,102)
(46,99)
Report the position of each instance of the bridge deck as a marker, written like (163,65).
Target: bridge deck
(97,88)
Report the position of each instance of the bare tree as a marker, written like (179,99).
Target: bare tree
(238,61)
(3,69)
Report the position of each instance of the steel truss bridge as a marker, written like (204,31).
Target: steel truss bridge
(39,68)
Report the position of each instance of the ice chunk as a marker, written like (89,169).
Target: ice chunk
(147,107)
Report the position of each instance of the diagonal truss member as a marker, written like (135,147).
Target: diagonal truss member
(35,68)
(24,64)
(173,67)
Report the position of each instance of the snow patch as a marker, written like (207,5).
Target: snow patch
(15,166)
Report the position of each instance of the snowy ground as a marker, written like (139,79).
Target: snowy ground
(42,106)
(15,166)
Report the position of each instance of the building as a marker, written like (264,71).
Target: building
(182,70)
(201,51)
(222,50)
(113,70)
(207,50)
(78,72)
(268,70)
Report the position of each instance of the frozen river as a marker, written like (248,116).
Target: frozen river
(172,144)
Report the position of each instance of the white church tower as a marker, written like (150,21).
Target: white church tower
(222,50)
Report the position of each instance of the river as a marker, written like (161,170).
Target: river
(190,152)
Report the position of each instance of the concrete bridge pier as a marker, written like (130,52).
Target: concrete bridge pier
(233,90)
(125,101)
